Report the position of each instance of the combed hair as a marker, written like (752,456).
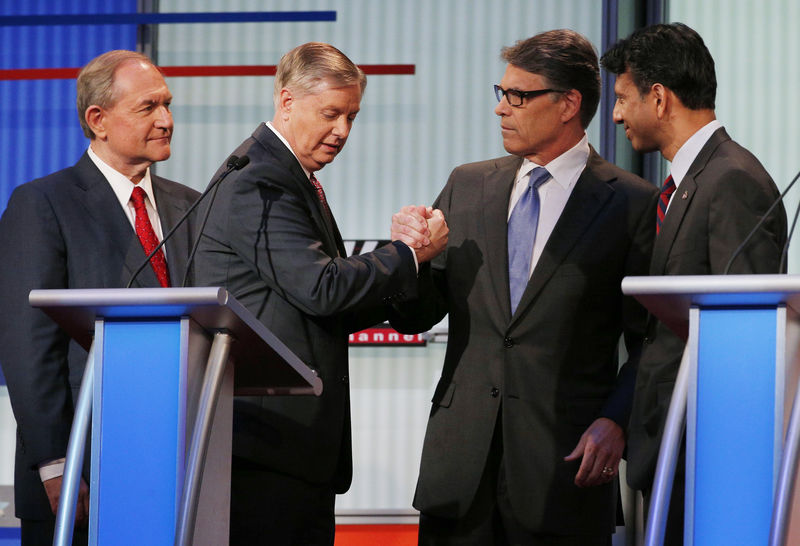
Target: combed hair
(306,66)
(96,82)
(566,59)
(673,55)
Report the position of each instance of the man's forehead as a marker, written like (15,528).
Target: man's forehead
(334,93)
(514,73)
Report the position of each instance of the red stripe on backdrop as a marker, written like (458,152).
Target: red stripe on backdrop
(196,71)
(372,535)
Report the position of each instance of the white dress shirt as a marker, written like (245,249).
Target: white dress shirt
(688,153)
(554,193)
(123,188)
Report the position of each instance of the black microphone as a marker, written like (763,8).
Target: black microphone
(759,224)
(239,164)
(234,164)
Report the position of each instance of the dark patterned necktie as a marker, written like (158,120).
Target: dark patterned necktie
(321,195)
(521,235)
(663,201)
(147,236)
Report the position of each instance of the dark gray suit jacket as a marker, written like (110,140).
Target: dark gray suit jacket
(723,195)
(553,365)
(268,242)
(66,230)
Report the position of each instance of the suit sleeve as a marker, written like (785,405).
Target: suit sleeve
(33,350)
(270,227)
(420,314)
(634,316)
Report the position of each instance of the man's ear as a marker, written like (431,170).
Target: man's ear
(572,105)
(95,118)
(661,98)
(285,103)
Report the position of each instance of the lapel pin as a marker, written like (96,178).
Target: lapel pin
(685,194)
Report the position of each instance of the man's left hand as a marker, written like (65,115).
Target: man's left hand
(601,447)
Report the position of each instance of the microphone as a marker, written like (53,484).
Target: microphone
(759,224)
(234,164)
(239,164)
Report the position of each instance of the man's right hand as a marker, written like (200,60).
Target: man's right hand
(53,489)
(423,229)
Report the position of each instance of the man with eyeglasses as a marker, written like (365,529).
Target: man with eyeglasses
(527,426)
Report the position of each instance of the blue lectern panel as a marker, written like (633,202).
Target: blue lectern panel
(735,423)
(142,451)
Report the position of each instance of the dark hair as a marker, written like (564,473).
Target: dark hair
(566,60)
(673,55)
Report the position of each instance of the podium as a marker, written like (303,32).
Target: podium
(160,409)
(734,379)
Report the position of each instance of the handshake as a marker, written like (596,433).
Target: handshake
(423,229)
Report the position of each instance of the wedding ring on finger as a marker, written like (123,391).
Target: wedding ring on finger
(607,470)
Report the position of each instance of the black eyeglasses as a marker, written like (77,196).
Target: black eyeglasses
(515,97)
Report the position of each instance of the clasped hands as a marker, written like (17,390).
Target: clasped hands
(423,229)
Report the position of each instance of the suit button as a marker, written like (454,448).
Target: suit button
(495,392)
(345,379)
(648,341)
(508,342)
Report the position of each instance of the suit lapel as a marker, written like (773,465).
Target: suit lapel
(672,222)
(680,203)
(170,211)
(590,193)
(103,208)
(497,188)
(331,238)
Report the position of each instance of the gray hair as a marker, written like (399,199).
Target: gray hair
(96,82)
(306,66)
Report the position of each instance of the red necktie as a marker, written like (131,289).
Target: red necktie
(663,201)
(144,229)
(321,195)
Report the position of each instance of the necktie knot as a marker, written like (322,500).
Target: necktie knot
(147,236)
(667,190)
(137,196)
(538,176)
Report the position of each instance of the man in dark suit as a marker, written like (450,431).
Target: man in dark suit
(528,420)
(77,228)
(272,241)
(666,88)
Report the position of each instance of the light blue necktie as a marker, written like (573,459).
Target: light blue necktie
(521,235)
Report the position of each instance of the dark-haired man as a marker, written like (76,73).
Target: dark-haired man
(528,420)
(716,193)
(77,228)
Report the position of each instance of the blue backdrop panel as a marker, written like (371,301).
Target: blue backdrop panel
(39,131)
(136,491)
(735,443)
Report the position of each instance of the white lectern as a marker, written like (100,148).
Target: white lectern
(160,412)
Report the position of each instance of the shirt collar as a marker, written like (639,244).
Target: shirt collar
(691,148)
(566,168)
(121,184)
(286,142)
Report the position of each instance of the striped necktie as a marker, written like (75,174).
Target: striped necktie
(663,201)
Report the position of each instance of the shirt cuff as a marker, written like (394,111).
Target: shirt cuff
(52,469)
